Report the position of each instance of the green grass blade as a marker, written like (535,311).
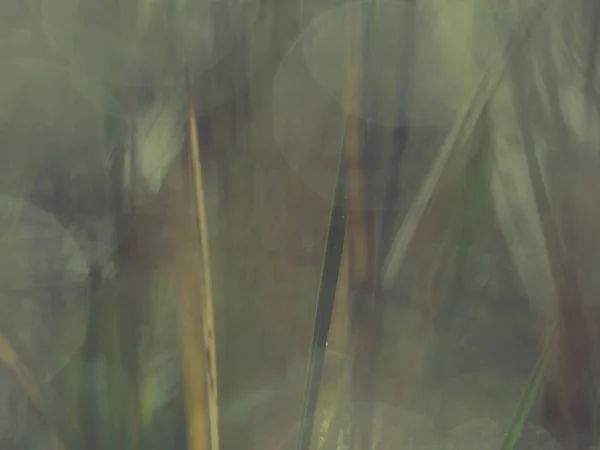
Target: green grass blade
(526,402)
(329,277)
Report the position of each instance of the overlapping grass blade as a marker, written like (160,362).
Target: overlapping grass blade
(573,349)
(453,149)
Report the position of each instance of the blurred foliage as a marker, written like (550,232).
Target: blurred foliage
(93,204)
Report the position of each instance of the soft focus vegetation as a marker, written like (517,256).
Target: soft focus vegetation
(307,225)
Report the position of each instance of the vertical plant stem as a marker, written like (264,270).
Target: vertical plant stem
(325,306)
(207,314)
(511,439)
(360,235)
(192,347)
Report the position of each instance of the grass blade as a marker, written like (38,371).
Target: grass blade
(208,353)
(563,409)
(527,400)
(325,305)
(193,365)
(453,150)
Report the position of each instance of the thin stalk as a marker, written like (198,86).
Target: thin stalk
(192,346)
(207,304)
(361,279)
(348,234)
(513,434)
(325,304)
(358,242)
(333,394)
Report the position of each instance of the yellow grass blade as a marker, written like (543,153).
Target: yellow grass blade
(193,365)
(207,309)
